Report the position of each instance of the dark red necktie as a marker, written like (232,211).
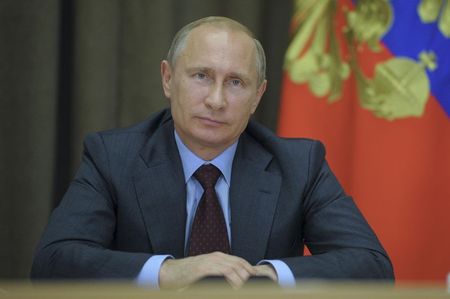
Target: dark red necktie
(209,232)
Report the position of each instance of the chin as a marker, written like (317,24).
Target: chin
(211,137)
(211,141)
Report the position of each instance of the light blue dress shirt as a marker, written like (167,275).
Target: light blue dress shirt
(149,274)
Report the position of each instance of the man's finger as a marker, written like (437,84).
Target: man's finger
(267,271)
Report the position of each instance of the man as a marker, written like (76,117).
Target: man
(137,206)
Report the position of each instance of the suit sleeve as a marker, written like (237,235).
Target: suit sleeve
(342,244)
(78,240)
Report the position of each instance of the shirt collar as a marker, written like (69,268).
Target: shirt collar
(191,162)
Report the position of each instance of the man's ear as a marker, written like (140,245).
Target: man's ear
(259,93)
(166,77)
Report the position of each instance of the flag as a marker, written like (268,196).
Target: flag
(371,80)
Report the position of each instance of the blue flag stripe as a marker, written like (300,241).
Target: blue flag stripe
(409,36)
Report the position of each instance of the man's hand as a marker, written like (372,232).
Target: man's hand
(266,271)
(180,273)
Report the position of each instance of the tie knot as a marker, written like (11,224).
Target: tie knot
(207,175)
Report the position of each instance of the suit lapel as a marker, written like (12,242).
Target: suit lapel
(161,192)
(253,199)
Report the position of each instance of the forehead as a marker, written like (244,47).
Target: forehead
(220,47)
(213,29)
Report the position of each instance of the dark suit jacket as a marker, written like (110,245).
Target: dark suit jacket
(127,202)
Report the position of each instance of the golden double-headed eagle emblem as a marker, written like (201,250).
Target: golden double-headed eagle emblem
(399,87)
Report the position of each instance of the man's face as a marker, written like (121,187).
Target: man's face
(212,88)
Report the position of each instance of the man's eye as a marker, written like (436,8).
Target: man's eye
(236,82)
(200,76)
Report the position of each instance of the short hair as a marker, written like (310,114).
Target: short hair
(179,41)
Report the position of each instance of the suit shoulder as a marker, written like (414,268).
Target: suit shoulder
(313,146)
(139,131)
(125,142)
(299,153)
(282,146)
(146,127)
(300,142)
(118,151)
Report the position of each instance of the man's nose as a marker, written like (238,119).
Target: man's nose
(216,98)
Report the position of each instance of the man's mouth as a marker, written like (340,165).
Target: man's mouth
(211,122)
